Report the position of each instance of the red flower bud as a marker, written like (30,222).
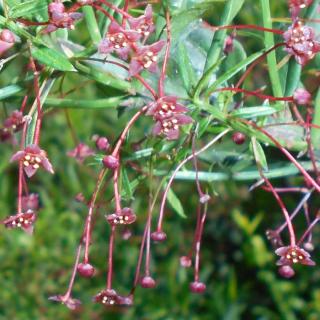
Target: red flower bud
(110,162)
(86,270)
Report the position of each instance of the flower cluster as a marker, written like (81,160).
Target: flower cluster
(169,116)
(300,42)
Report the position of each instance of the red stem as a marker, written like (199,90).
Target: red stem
(110,258)
(118,10)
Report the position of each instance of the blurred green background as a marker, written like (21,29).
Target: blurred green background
(237,263)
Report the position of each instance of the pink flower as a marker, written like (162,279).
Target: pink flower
(24,221)
(143,24)
(126,216)
(165,107)
(118,40)
(297,5)
(7,41)
(109,297)
(81,152)
(302,96)
(33,158)
(30,202)
(59,18)
(69,302)
(146,57)
(300,42)
(12,124)
(170,126)
(291,255)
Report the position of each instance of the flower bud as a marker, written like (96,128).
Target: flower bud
(158,236)
(286,271)
(86,270)
(185,262)
(7,36)
(102,143)
(147,282)
(238,138)
(197,287)
(302,96)
(110,162)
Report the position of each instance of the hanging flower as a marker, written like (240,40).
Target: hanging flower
(146,57)
(59,18)
(33,158)
(109,297)
(30,202)
(296,6)
(165,107)
(12,124)
(126,216)
(81,152)
(25,221)
(143,24)
(68,301)
(300,42)
(118,40)
(292,255)
(7,41)
(170,126)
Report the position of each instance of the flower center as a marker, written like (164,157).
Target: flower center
(120,219)
(118,40)
(143,29)
(108,300)
(168,125)
(295,256)
(166,110)
(31,160)
(148,59)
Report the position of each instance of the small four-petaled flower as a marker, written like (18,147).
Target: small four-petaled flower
(119,40)
(68,301)
(146,57)
(143,24)
(24,221)
(293,254)
(126,216)
(33,158)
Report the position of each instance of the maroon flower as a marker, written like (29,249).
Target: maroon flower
(119,40)
(291,255)
(30,202)
(146,57)
(12,124)
(69,302)
(165,107)
(275,238)
(109,297)
(33,157)
(297,5)
(170,126)
(81,152)
(300,42)
(24,221)
(7,41)
(158,236)
(143,24)
(302,96)
(59,18)
(228,45)
(238,138)
(126,216)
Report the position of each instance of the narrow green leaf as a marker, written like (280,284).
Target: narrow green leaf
(231,9)
(252,112)
(175,203)
(92,24)
(269,42)
(315,132)
(27,8)
(126,184)
(84,104)
(259,154)
(53,59)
